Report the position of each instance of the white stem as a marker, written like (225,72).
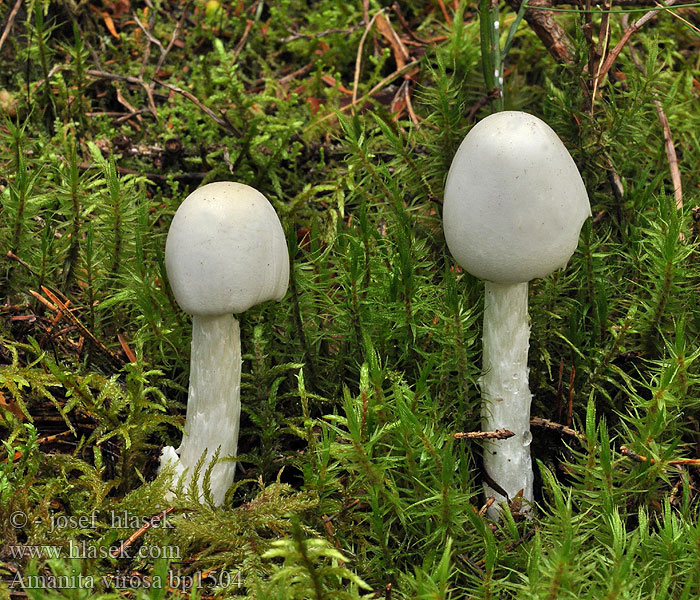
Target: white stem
(505,392)
(213,403)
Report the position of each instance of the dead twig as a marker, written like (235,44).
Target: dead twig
(295,35)
(629,32)
(404,23)
(241,44)
(558,427)
(384,82)
(618,3)
(625,451)
(481,102)
(670,154)
(498,434)
(154,522)
(48,439)
(489,502)
(547,29)
(192,98)
(596,62)
(668,138)
(358,58)
(10,22)
(13,256)
(60,305)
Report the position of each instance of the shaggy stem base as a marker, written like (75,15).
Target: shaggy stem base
(213,404)
(505,392)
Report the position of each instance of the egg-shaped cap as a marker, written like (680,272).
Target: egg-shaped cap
(514,200)
(226,251)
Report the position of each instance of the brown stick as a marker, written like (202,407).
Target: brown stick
(63,307)
(358,58)
(139,532)
(547,29)
(670,154)
(10,22)
(625,451)
(296,35)
(241,44)
(192,98)
(632,29)
(498,434)
(558,427)
(668,139)
(388,79)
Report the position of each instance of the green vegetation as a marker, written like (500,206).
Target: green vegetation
(351,482)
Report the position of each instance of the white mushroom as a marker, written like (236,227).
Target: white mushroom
(513,210)
(225,253)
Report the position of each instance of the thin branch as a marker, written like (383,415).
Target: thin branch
(558,427)
(547,29)
(631,30)
(625,451)
(295,35)
(148,35)
(358,58)
(153,522)
(10,22)
(384,82)
(241,43)
(192,98)
(668,139)
(498,434)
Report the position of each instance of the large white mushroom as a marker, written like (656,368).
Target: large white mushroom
(225,253)
(513,210)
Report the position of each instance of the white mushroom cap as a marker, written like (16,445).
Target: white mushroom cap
(514,200)
(226,251)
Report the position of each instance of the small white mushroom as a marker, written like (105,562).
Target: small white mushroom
(513,210)
(225,253)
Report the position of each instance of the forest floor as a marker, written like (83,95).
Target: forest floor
(355,476)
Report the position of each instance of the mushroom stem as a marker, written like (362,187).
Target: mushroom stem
(505,391)
(214,400)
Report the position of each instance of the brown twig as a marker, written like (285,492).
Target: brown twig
(547,29)
(358,57)
(558,427)
(61,305)
(388,79)
(155,521)
(481,102)
(192,98)
(570,408)
(241,44)
(295,35)
(596,62)
(498,434)
(151,176)
(489,502)
(670,154)
(625,451)
(618,3)
(445,14)
(52,438)
(10,22)
(631,30)
(173,37)
(668,138)
(13,256)
(404,23)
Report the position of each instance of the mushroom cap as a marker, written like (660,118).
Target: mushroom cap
(514,200)
(226,251)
